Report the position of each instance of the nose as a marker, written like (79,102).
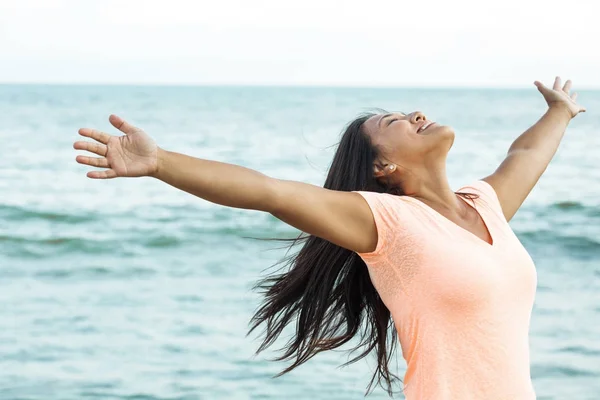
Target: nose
(417,116)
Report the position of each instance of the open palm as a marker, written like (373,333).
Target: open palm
(560,96)
(132,155)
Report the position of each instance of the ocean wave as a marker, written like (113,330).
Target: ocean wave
(568,205)
(16,213)
(580,349)
(574,207)
(560,370)
(42,247)
(33,247)
(576,245)
(95,272)
(162,241)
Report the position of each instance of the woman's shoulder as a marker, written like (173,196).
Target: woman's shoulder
(388,203)
(481,188)
(486,194)
(392,220)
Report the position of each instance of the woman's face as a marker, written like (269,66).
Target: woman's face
(409,140)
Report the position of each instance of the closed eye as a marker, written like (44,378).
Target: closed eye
(395,119)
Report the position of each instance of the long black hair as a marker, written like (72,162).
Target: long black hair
(326,289)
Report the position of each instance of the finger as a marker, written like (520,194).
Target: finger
(574,96)
(108,174)
(121,124)
(95,134)
(99,162)
(96,148)
(567,86)
(557,83)
(540,86)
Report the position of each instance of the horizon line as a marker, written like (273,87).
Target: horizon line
(281,85)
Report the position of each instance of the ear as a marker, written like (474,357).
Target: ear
(380,170)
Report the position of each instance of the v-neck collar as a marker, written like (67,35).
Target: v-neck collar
(460,228)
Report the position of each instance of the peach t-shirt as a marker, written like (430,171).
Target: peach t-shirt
(461,306)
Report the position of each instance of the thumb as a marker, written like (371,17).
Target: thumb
(540,87)
(121,124)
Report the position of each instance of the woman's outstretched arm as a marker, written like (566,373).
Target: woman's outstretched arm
(343,218)
(529,155)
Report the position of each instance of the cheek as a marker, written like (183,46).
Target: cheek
(413,151)
(401,143)
(408,148)
(410,140)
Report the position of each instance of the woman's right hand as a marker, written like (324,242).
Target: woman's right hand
(132,155)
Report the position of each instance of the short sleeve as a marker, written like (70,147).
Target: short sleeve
(386,209)
(488,195)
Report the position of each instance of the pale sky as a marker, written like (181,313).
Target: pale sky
(489,43)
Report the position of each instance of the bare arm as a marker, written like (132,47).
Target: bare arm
(531,153)
(526,161)
(342,218)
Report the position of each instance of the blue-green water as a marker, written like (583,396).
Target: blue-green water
(130,289)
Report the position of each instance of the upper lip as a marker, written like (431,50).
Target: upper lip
(424,124)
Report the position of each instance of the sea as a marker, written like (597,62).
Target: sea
(129,289)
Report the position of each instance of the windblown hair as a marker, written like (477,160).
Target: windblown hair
(326,289)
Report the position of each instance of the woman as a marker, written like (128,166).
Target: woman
(390,242)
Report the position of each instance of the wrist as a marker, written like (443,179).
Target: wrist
(161,156)
(560,109)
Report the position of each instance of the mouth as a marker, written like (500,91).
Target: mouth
(425,126)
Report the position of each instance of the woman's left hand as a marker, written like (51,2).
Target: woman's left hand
(559,97)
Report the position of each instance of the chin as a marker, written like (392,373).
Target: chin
(449,133)
(446,128)
(440,130)
(445,134)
